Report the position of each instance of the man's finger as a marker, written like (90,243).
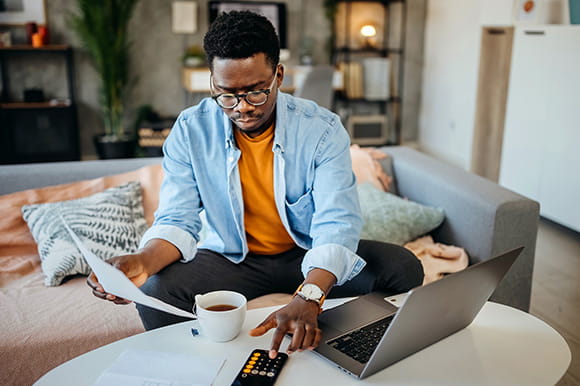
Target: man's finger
(317,339)
(121,301)
(297,338)
(276,341)
(308,337)
(264,327)
(99,294)
(93,282)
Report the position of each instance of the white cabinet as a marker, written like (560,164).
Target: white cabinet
(541,143)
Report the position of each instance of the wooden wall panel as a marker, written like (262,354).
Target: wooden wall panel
(492,91)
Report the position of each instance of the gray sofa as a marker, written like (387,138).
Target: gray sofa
(42,327)
(480,216)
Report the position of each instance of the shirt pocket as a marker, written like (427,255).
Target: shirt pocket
(300,213)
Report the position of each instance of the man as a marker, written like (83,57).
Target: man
(274,177)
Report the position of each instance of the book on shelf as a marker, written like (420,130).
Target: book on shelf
(376,78)
(353,79)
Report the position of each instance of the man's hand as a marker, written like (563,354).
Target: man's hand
(138,267)
(131,265)
(299,317)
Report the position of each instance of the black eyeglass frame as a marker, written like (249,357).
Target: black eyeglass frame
(244,95)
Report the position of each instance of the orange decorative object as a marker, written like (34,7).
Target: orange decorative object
(529,5)
(36,40)
(43,31)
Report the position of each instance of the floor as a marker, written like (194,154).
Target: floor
(556,288)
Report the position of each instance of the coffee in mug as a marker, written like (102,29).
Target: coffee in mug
(221,314)
(221,307)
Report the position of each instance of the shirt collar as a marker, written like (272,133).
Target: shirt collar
(282,105)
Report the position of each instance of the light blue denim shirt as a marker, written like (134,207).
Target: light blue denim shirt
(314,186)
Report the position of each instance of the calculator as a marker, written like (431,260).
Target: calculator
(259,369)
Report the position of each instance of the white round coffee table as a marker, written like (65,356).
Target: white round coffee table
(503,346)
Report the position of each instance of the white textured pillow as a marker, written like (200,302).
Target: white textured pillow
(110,223)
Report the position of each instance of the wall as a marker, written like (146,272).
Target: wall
(449,79)
(451,62)
(157,68)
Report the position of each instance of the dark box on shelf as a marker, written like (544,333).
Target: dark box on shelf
(152,135)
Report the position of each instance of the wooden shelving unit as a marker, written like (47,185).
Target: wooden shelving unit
(38,131)
(370,120)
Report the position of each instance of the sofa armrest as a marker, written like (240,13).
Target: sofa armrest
(480,216)
(30,176)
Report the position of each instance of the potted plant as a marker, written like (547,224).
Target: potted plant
(103,28)
(193,56)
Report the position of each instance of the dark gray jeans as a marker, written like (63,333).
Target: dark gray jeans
(390,268)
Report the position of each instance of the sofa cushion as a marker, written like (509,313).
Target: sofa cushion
(373,166)
(392,219)
(110,223)
(18,250)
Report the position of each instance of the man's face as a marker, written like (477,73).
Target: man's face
(237,76)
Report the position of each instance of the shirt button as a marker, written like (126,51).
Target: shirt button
(230,159)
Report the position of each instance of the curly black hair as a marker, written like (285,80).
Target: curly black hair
(240,35)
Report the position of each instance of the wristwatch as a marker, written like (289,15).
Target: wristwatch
(311,292)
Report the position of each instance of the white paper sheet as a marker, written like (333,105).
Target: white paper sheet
(115,282)
(144,368)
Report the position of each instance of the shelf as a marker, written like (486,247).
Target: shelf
(372,69)
(384,2)
(389,100)
(366,51)
(21,48)
(38,131)
(34,105)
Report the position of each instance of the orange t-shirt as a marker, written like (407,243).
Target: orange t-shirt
(265,232)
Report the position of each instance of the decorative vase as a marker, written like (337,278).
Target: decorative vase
(112,149)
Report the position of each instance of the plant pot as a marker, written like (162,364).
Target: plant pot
(111,148)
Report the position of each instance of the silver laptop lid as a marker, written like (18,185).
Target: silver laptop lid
(437,310)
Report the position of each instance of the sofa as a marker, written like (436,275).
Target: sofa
(42,327)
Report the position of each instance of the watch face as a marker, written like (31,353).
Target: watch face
(311,291)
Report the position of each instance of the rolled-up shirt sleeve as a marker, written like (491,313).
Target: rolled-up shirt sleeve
(181,239)
(334,258)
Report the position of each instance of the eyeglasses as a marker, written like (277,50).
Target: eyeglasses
(255,98)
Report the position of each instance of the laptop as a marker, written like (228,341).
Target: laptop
(369,334)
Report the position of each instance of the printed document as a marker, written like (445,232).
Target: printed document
(156,368)
(115,282)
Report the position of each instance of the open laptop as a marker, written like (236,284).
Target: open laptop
(368,334)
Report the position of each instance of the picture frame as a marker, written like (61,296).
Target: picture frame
(275,11)
(526,11)
(26,11)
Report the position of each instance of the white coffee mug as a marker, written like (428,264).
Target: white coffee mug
(221,314)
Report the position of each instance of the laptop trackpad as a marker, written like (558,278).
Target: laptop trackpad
(355,313)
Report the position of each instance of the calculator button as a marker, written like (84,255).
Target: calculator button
(262,373)
(254,372)
(270,374)
(252,362)
(246,371)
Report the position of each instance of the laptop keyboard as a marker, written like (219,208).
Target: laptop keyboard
(360,344)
